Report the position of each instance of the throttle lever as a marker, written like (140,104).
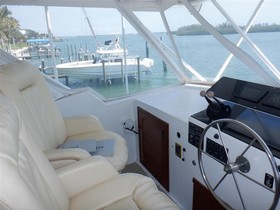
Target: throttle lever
(210,94)
(204,94)
(216,109)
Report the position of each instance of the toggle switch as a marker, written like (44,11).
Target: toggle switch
(178,150)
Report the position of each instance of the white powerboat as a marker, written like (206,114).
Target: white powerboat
(209,141)
(108,62)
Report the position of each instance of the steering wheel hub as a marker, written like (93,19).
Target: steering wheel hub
(241,164)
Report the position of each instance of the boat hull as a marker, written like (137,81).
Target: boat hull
(108,70)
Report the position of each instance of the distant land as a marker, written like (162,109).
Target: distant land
(225,28)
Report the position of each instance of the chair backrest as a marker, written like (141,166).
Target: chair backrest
(27,179)
(24,84)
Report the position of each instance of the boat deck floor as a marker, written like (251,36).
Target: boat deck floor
(134,168)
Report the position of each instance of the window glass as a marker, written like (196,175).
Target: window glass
(77,38)
(201,57)
(208,56)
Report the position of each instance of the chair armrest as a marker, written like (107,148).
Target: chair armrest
(85,174)
(82,124)
(66,154)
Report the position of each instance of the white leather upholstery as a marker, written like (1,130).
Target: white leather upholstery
(26,87)
(29,182)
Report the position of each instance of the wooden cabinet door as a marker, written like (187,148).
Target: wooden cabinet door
(203,199)
(153,145)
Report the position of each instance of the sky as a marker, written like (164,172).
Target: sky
(72,21)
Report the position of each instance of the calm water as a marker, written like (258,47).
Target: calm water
(203,53)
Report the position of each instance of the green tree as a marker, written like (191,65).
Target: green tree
(9,26)
(30,34)
(226,28)
(194,29)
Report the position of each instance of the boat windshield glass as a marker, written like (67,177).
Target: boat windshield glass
(246,47)
(119,55)
(92,50)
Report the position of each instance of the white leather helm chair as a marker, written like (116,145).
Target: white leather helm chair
(29,182)
(25,86)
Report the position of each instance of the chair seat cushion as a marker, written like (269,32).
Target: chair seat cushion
(25,86)
(119,158)
(126,203)
(133,190)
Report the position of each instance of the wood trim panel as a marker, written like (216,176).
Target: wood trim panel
(153,145)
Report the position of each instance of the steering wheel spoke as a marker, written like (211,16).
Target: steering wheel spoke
(239,192)
(223,142)
(218,184)
(247,148)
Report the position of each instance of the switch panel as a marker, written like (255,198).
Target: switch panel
(178,150)
(216,150)
(268,180)
(194,134)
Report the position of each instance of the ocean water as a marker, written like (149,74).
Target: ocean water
(203,53)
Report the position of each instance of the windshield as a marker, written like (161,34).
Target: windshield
(236,39)
(162,48)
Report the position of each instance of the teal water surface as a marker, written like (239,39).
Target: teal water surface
(203,53)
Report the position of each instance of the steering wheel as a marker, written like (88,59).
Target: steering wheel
(240,165)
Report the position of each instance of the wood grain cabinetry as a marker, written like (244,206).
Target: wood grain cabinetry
(153,145)
(203,199)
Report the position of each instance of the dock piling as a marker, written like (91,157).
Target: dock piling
(138,68)
(122,74)
(163,63)
(104,73)
(43,66)
(147,50)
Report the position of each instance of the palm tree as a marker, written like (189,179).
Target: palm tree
(9,26)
